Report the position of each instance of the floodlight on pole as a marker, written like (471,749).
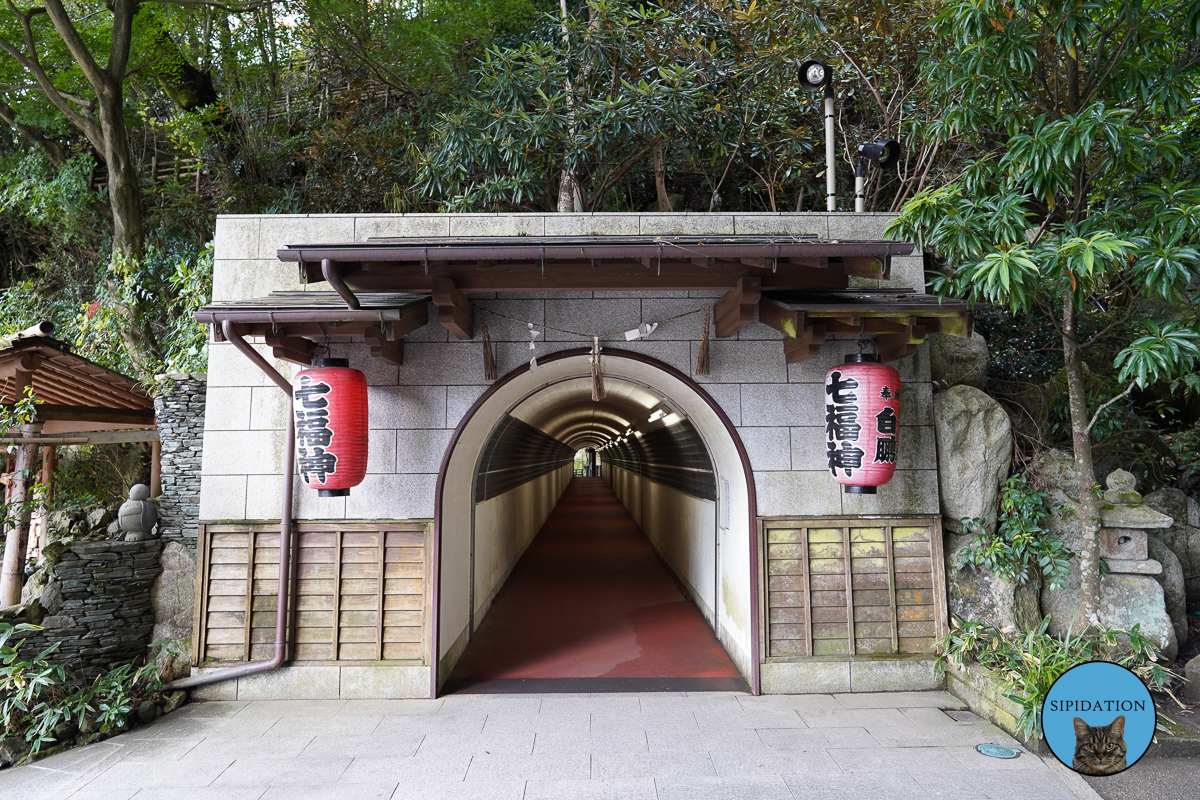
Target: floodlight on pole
(884,154)
(816,75)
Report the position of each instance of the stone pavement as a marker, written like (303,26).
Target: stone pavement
(661,746)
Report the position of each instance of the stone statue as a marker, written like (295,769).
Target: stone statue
(137,515)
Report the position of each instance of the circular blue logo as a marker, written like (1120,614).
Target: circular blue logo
(1098,718)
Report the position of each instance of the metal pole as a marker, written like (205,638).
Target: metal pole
(830,155)
(860,200)
(285,535)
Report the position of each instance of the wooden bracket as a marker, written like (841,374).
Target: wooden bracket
(735,310)
(894,346)
(806,345)
(455,311)
(411,318)
(291,348)
(384,348)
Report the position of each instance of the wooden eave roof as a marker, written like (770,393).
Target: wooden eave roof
(71,388)
(548,263)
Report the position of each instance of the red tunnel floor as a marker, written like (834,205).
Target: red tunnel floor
(590,607)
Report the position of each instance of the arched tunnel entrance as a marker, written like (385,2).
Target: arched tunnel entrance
(633,571)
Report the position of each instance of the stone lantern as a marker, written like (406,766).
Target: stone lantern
(1131,593)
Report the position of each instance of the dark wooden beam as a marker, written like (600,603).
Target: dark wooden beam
(735,310)
(894,346)
(121,416)
(291,348)
(781,318)
(629,275)
(411,318)
(387,349)
(806,344)
(455,311)
(867,325)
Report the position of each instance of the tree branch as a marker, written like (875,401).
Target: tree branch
(52,148)
(78,49)
(1099,410)
(83,122)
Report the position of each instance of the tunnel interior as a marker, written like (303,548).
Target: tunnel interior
(595,542)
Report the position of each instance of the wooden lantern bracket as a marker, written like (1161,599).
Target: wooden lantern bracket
(896,333)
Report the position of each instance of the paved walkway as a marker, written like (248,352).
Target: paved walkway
(657,746)
(590,599)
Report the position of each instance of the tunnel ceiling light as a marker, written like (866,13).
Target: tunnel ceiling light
(641,331)
(672,418)
(657,415)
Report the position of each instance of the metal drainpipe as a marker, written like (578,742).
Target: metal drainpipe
(285,534)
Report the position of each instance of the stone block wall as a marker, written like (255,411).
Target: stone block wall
(97,607)
(777,408)
(179,406)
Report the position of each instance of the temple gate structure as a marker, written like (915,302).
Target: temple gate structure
(688,351)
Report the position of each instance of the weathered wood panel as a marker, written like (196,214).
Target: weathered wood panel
(851,586)
(361,592)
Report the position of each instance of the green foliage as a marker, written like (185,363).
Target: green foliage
(1169,349)
(36,695)
(1021,542)
(55,198)
(1029,664)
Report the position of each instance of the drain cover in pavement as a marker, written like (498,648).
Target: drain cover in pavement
(997,751)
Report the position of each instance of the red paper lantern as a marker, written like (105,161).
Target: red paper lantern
(862,420)
(330,401)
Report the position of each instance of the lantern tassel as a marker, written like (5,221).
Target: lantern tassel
(702,357)
(597,374)
(489,358)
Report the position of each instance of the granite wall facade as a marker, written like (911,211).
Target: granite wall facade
(777,408)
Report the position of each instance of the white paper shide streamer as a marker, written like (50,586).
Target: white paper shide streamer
(533,334)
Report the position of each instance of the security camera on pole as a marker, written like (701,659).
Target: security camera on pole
(884,154)
(816,75)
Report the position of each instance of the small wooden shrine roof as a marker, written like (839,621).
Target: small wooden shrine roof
(75,394)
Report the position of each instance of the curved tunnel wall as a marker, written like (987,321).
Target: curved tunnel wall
(522,473)
(479,543)
(665,479)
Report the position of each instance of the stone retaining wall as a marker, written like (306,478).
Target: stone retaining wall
(179,410)
(97,607)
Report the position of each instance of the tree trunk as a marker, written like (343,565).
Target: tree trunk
(569,197)
(1089,503)
(660,179)
(125,201)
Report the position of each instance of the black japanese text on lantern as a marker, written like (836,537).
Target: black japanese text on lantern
(313,434)
(841,424)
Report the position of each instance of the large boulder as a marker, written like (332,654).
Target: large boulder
(955,361)
(1125,600)
(1128,600)
(1191,674)
(1171,580)
(980,596)
(974,442)
(173,597)
(1183,537)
